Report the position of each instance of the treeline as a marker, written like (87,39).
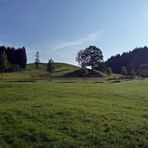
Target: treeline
(14,57)
(136,62)
(132,63)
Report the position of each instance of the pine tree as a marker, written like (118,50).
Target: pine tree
(37,60)
(22,57)
(3,62)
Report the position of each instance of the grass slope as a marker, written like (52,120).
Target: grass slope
(74,114)
(62,70)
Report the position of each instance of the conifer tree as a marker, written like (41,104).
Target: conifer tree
(3,62)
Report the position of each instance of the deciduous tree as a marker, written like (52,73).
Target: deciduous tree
(108,71)
(80,58)
(50,68)
(124,71)
(91,56)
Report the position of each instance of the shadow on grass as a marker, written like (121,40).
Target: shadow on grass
(116,81)
(66,82)
(22,81)
(99,82)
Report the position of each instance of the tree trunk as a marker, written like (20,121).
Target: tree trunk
(92,67)
(50,76)
(84,79)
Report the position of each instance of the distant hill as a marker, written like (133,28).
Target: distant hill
(132,59)
(62,70)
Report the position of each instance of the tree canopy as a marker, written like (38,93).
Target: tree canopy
(91,56)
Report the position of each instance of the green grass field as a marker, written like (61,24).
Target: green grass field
(74,113)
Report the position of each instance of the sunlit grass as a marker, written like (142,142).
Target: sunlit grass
(73,113)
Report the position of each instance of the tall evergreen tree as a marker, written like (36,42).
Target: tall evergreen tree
(22,57)
(3,62)
(37,60)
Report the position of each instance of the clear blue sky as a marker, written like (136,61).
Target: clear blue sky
(59,28)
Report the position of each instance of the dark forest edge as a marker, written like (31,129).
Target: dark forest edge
(134,62)
(12,59)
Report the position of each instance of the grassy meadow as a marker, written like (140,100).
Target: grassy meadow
(74,113)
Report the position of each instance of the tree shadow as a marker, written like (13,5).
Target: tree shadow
(66,82)
(26,81)
(99,82)
(116,81)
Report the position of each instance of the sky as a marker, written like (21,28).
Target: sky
(58,29)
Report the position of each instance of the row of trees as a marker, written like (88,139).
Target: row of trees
(12,59)
(128,64)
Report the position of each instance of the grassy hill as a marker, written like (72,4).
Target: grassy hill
(62,70)
(71,113)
